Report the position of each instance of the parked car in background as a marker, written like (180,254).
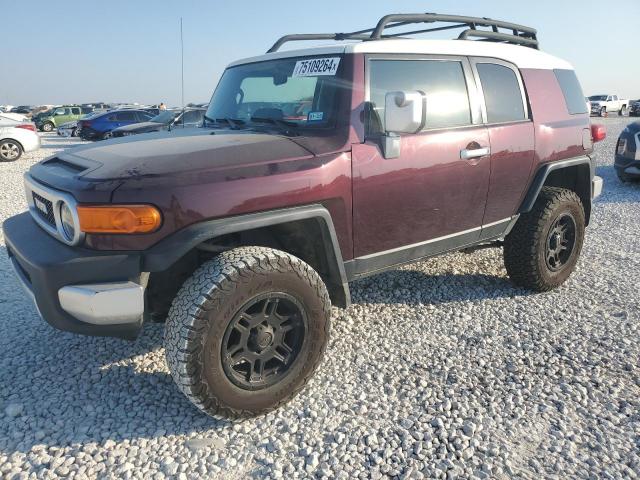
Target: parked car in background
(15,139)
(603,104)
(191,117)
(59,115)
(99,127)
(634,108)
(627,156)
(12,118)
(23,109)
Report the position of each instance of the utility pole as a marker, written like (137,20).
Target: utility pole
(182,61)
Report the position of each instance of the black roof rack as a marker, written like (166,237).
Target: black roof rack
(514,34)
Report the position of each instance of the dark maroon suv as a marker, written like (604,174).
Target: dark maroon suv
(313,168)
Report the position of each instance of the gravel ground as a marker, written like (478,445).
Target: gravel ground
(440,369)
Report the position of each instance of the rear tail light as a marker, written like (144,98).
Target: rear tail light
(27,126)
(598,133)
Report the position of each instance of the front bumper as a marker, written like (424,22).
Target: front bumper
(75,289)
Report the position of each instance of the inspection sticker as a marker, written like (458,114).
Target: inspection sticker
(316,66)
(315,116)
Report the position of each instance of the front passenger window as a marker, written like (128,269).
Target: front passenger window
(442,81)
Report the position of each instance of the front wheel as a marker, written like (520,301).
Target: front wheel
(246,332)
(603,112)
(48,127)
(622,112)
(10,150)
(543,248)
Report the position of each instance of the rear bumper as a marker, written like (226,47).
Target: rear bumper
(75,289)
(628,166)
(31,143)
(90,134)
(596,187)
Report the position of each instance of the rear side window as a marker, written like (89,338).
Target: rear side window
(126,116)
(502,93)
(441,80)
(571,90)
(75,111)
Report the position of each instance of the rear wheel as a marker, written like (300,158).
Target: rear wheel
(10,150)
(48,127)
(246,332)
(543,248)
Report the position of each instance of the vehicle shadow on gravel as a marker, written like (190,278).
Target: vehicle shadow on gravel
(415,287)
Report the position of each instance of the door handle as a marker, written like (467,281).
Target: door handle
(469,153)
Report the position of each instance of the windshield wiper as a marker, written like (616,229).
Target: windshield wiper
(285,125)
(234,123)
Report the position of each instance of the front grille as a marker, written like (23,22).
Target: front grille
(44,208)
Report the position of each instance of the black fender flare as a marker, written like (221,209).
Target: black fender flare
(543,172)
(165,253)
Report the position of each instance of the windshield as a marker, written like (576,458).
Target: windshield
(165,116)
(299,91)
(598,98)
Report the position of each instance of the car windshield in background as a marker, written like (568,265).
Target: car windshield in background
(596,98)
(165,117)
(298,91)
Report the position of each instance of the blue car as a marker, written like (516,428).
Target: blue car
(99,127)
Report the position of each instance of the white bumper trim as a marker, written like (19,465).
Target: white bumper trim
(103,303)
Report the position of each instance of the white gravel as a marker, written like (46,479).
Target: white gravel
(439,370)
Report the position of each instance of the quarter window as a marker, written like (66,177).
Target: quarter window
(502,93)
(442,81)
(571,90)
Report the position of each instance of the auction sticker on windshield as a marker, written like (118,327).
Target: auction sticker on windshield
(316,66)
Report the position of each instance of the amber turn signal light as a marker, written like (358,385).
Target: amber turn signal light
(119,218)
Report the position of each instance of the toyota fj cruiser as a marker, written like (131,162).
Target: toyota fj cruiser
(315,167)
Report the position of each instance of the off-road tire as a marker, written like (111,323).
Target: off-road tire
(204,307)
(48,127)
(526,245)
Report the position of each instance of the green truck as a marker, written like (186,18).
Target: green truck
(56,116)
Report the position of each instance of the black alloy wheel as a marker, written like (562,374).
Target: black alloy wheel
(263,340)
(560,242)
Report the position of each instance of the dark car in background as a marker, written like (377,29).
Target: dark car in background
(165,120)
(627,158)
(99,127)
(634,108)
(22,109)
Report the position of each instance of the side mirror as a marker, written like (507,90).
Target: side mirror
(404,112)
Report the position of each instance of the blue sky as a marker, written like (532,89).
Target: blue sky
(122,50)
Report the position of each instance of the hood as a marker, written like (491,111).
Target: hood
(141,127)
(179,153)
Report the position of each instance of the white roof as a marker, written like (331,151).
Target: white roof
(522,57)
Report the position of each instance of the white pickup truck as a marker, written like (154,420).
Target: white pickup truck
(603,104)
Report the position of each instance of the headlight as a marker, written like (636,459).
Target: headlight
(68,225)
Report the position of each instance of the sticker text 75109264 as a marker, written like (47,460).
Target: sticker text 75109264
(316,66)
